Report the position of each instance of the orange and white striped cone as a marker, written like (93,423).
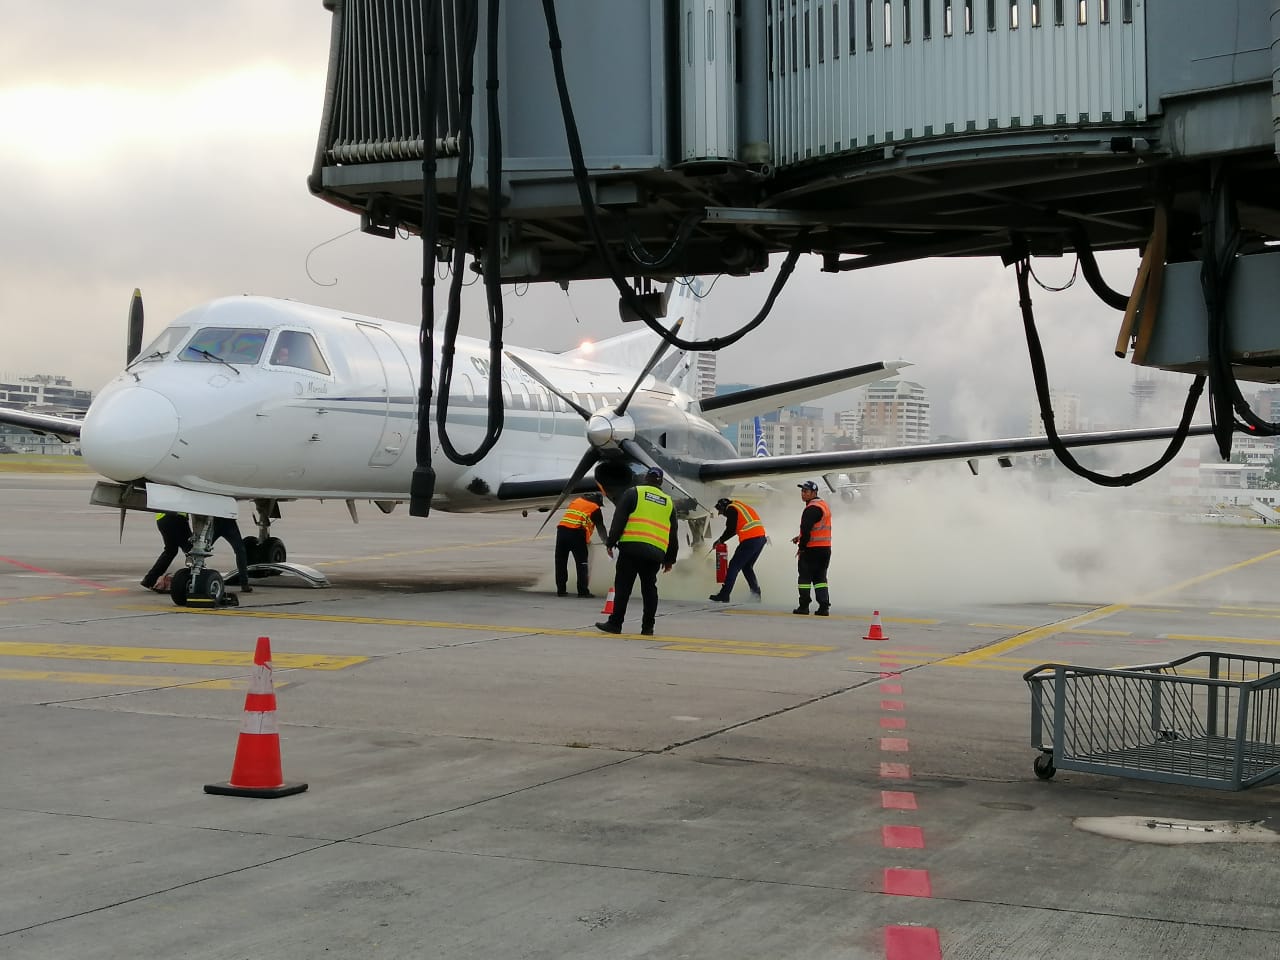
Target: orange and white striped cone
(876,632)
(256,769)
(608,602)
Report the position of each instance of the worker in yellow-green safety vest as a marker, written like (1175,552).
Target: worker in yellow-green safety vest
(175,531)
(643,533)
(573,533)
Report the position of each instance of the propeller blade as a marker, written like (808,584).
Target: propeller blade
(653,362)
(133,346)
(527,368)
(589,460)
(639,454)
(122,512)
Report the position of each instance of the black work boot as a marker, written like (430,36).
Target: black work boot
(803,609)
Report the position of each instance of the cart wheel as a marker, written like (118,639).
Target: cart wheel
(1043,766)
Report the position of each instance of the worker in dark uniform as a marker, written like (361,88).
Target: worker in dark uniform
(643,533)
(175,531)
(741,521)
(813,550)
(582,517)
(227,529)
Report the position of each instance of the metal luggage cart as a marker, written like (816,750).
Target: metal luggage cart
(1207,720)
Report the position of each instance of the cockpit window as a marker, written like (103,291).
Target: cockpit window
(163,345)
(296,349)
(225,344)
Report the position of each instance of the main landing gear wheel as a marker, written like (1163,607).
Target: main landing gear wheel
(208,584)
(179,586)
(1043,766)
(273,551)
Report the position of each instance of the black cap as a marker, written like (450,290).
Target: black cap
(594,497)
(655,474)
(808,485)
(723,504)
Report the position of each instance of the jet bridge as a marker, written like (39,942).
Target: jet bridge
(717,132)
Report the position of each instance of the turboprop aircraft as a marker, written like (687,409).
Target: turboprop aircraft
(264,400)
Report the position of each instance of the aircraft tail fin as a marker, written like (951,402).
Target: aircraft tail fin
(679,368)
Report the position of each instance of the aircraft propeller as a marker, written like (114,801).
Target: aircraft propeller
(606,429)
(133,344)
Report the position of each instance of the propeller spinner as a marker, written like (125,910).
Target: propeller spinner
(607,430)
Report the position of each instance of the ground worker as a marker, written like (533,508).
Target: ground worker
(226,528)
(175,531)
(644,534)
(741,521)
(813,550)
(573,533)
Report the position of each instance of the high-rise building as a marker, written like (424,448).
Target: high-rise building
(1066,414)
(705,381)
(894,413)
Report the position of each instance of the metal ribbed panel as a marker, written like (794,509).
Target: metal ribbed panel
(378,86)
(851,74)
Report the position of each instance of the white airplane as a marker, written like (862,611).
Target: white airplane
(265,400)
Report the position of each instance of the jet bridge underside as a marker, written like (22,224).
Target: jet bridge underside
(715,133)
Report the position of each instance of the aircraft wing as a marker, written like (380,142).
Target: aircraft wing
(744,404)
(64,428)
(801,464)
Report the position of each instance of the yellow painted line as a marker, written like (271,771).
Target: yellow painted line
(208,658)
(1245,616)
(1048,630)
(985,665)
(834,616)
(1193,638)
(692,648)
(124,680)
(68,595)
(486,627)
(396,555)
(1236,606)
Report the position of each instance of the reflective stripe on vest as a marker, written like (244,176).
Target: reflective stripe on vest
(820,533)
(750,525)
(579,515)
(650,521)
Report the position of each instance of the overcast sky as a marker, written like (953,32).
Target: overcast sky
(166,146)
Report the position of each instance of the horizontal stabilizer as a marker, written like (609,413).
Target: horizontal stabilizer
(744,404)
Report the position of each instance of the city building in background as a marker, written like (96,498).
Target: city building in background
(894,413)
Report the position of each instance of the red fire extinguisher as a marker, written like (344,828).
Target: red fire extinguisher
(722,562)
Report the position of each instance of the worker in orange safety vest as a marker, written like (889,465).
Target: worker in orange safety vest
(573,533)
(741,521)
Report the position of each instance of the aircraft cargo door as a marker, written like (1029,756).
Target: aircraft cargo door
(401,394)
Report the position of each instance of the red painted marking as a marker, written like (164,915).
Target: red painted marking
(891,704)
(911,943)
(897,800)
(1074,643)
(895,771)
(893,723)
(907,883)
(903,837)
(54,573)
(891,688)
(895,744)
(890,676)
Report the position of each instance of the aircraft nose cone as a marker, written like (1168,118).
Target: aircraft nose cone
(127,432)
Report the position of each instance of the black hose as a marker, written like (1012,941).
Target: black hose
(629,297)
(1023,268)
(1089,267)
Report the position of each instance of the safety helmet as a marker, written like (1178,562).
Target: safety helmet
(723,504)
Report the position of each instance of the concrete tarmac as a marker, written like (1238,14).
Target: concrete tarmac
(491,777)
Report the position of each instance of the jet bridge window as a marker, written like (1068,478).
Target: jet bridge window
(225,344)
(296,349)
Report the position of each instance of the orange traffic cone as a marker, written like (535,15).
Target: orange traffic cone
(256,769)
(876,632)
(608,602)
